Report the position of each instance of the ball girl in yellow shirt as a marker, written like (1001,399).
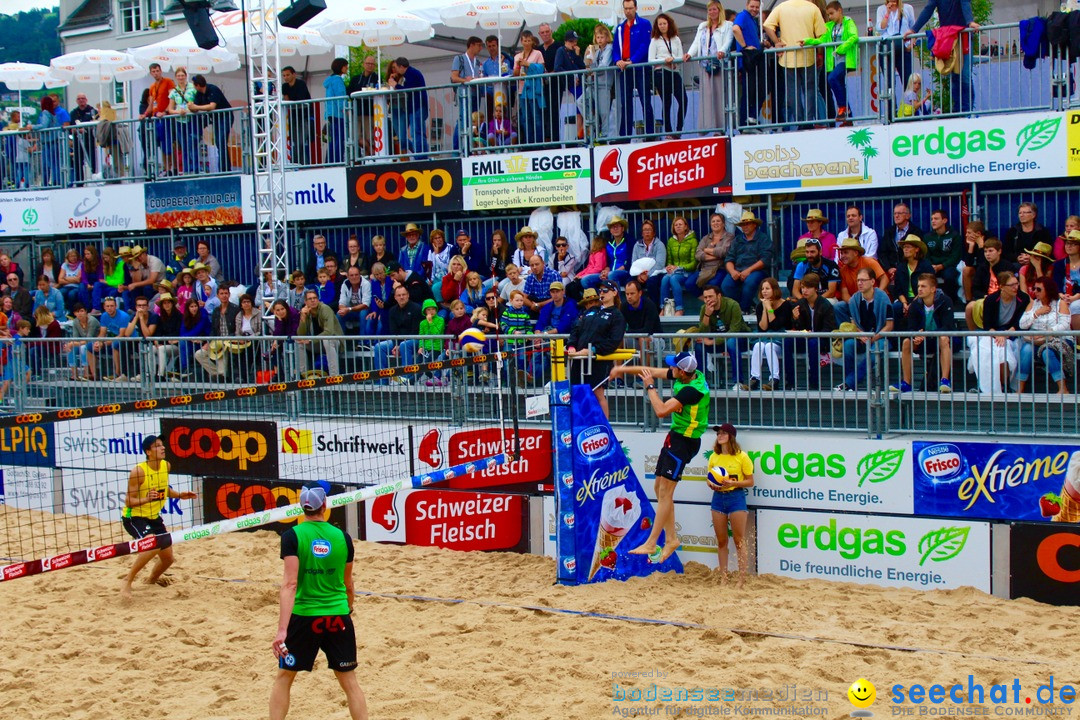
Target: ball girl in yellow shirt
(731,471)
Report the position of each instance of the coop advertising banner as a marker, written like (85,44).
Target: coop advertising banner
(1000,481)
(1017,147)
(318,194)
(874,550)
(225,499)
(670,168)
(1044,563)
(795,471)
(527,179)
(404,188)
(207,202)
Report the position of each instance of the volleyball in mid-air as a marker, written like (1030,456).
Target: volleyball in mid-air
(472,340)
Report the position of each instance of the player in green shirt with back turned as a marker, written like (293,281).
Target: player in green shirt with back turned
(688,408)
(316,601)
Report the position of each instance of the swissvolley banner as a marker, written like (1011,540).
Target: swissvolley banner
(603,510)
(999,481)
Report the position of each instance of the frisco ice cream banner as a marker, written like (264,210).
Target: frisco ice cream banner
(602,511)
(998,481)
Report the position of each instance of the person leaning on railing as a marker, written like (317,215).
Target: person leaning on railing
(600,88)
(334,87)
(210,99)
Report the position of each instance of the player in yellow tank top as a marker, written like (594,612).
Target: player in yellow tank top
(148,490)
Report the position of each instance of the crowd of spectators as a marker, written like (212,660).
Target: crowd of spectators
(617,81)
(857,281)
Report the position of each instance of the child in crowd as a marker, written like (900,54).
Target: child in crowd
(500,131)
(517,322)
(839,59)
(14,366)
(458,321)
(590,275)
(513,282)
(327,289)
(478,135)
(480,321)
(431,350)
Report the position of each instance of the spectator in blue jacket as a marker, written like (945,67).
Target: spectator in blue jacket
(415,105)
(558,316)
(620,250)
(631,53)
(871,312)
(50,297)
(382,297)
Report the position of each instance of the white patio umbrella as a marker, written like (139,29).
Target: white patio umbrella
(373,27)
(170,53)
(21,76)
(97,66)
(496,14)
(611,10)
(291,41)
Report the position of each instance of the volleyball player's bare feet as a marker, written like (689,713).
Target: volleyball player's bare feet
(125,592)
(669,548)
(644,549)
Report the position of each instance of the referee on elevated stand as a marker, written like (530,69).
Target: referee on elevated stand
(316,601)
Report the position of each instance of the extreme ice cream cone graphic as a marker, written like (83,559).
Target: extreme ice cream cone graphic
(1070,492)
(620,510)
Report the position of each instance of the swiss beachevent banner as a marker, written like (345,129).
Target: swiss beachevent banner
(1019,147)
(1000,481)
(792,470)
(666,169)
(527,179)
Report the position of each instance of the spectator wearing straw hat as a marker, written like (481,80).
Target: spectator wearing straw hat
(601,328)
(160,287)
(815,228)
(205,286)
(748,261)
(204,256)
(414,253)
(1066,275)
(905,287)
(527,246)
(852,259)
(945,250)
(620,250)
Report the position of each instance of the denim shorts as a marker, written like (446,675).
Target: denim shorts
(729,502)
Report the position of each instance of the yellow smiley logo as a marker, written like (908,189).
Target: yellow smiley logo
(862,693)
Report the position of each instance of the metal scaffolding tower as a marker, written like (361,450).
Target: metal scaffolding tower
(267,135)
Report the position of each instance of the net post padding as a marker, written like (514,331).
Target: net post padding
(245,522)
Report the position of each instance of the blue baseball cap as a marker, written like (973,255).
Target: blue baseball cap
(685,361)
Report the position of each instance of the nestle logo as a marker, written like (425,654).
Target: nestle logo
(593,441)
(942,461)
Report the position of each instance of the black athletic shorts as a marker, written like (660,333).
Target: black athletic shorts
(333,634)
(677,452)
(140,527)
(600,370)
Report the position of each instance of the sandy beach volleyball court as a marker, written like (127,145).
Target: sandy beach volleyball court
(200,648)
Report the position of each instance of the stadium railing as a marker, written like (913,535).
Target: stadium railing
(878,404)
(329,131)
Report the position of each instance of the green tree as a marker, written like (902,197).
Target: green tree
(31,36)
